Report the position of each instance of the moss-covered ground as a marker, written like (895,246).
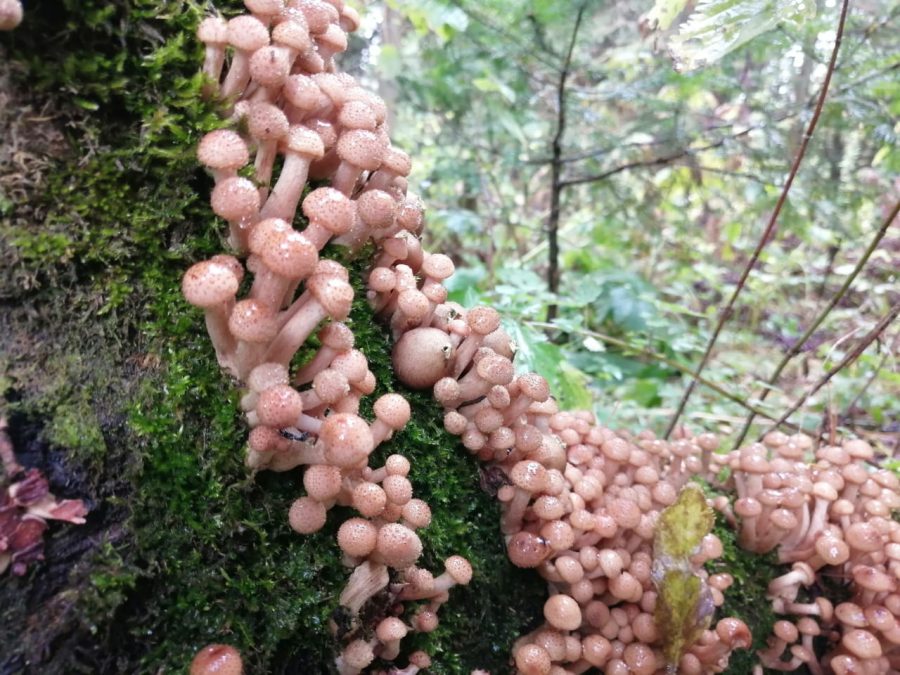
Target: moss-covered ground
(112,387)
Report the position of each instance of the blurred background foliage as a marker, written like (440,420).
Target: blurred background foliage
(680,124)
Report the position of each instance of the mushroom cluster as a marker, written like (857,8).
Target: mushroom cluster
(26,505)
(581,502)
(293,118)
(830,518)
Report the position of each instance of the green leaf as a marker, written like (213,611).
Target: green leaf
(718,27)
(682,526)
(680,612)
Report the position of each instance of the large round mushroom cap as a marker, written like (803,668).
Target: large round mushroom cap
(420,357)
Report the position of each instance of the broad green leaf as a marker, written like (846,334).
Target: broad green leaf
(682,526)
(718,27)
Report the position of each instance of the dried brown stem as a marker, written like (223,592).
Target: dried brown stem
(768,233)
(842,291)
(850,357)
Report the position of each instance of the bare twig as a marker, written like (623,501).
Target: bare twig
(661,358)
(842,291)
(557,185)
(848,359)
(654,161)
(768,233)
(888,353)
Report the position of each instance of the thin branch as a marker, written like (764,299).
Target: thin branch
(661,358)
(655,161)
(888,353)
(798,344)
(556,185)
(767,236)
(850,357)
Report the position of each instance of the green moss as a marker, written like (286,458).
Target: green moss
(746,598)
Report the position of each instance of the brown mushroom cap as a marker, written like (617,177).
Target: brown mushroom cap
(217,659)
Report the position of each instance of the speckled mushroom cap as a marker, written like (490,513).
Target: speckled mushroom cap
(247,33)
(334,294)
(304,141)
(459,569)
(358,654)
(307,515)
(398,546)
(213,30)
(293,34)
(346,438)
(302,92)
(416,513)
(266,121)
(270,66)
(333,39)
(393,410)
(357,537)
(391,629)
(361,148)
(370,98)
(331,385)
(279,406)
(376,209)
(330,208)
(337,335)
(265,7)
(369,499)
(223,149)
(217,659)
(208,283)
(322,481)
(267,233)
(231,263)
(267,375)
(292,256)
(397,162)
(357,115)
(253,321)
(318,15)
(235,198)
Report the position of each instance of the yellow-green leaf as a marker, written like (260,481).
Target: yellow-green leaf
(683,611)
(682,526)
